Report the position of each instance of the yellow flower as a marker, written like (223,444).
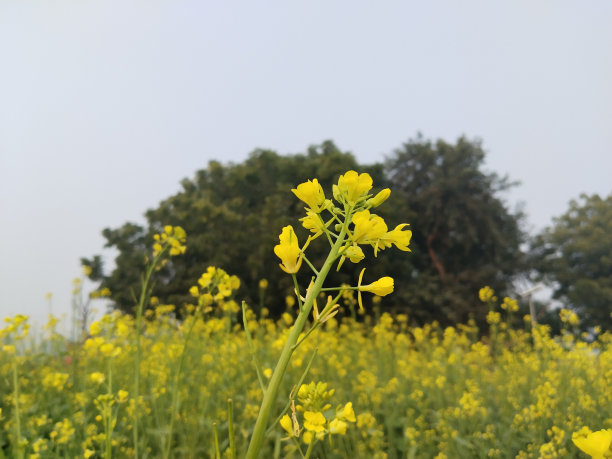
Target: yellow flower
(509,304)
(352,186)
(313,222)
(400,238)
(312,194)
(314,421)
(347,413)
(381,287)
(381,197)
(595,444)
(286,424)
(288,251)
(354,253)
(369,228)
(486,294)
(338,427)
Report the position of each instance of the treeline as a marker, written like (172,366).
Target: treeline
(464,234)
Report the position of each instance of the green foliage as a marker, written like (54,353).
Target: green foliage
(463,235)
(575,255)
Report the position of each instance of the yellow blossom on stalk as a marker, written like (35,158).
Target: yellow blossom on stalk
(352,186)
(381,197)
(368,228)
(289,251)
(596,444)
(286,424)
(569,317)
(509,304)
(263,284)
(381,287)
(486,294)
(174,237)
(314,421)
(397,237)
(354,253)
(313,222)
(312,194)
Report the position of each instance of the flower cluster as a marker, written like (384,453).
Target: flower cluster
(354,226)
(214,285)
(318,418)
(173,238)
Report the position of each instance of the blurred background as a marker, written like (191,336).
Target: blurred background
(106,106)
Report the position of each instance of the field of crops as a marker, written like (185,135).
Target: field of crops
(320,381)
(415,392)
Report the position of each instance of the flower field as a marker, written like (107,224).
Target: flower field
(213,379)
(416,392)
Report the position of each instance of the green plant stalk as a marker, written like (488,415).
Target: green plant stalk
(144,294)
(217,451)
(271,394)
(20,452)
(108,409)
(175,390)
(230,418)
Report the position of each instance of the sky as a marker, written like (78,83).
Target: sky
(105,106)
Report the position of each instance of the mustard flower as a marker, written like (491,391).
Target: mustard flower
(381,287)
(352,186)
(510,304)
(312,194)
(369,228)
(289,251)
(313,222)
(381,197)
(596,444)
(397,237)
(486,294)
(286,424)
(354,253)
(314,421)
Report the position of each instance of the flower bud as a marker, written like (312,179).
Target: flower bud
(379,198)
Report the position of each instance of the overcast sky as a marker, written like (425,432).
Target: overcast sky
(106,105)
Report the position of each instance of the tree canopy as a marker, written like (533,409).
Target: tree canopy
(575,256)
(464,236)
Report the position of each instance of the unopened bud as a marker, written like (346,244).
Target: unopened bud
(379,198)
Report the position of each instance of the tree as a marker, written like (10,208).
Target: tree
(464,236)
(233,215)
(575,256)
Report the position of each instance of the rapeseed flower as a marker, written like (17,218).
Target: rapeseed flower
(352,187)
(312,194)
(289,251)
(595,444)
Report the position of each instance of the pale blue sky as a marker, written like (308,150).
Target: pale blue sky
(106,105)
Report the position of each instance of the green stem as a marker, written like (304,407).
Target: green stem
(252,347)
(175,389)
(230,417)
(144,295)
(271,394)
(309,450)
(216,434)
(20,450)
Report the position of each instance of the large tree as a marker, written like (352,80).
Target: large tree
(575,256)
(233,215)
(464,235)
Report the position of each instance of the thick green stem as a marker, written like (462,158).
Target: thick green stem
(275,382)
